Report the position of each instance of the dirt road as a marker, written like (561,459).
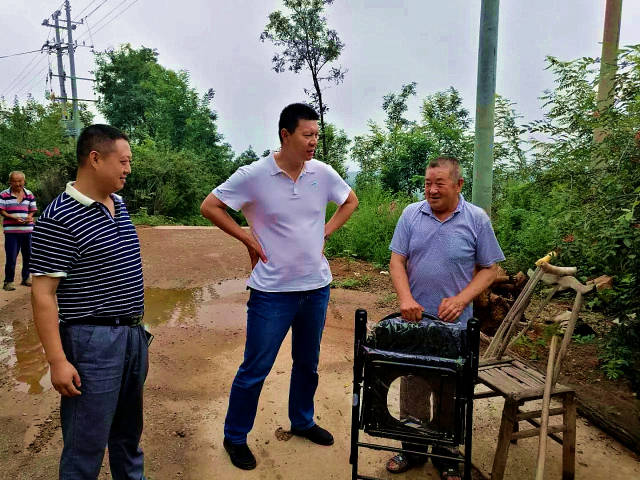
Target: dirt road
(195,305)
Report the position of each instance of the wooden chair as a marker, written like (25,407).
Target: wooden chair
(519,384)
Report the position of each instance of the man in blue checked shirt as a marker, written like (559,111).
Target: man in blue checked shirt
(88,301)
(443,254)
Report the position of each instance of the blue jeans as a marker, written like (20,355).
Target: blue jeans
(269,317)
(112,363)
(13,244)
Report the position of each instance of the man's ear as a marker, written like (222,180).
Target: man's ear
(460,183)
(92,158)
(284,133)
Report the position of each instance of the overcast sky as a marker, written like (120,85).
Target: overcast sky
(388,43)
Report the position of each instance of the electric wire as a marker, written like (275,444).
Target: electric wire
(86,7)
(124,10)
(33,81)
(24,73)
(99,22)
(93,11)
(20,53)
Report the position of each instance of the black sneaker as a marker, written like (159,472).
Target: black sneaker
(316,434)
(240,455)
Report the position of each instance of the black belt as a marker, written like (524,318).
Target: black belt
(124,321)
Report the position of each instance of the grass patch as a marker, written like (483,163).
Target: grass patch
(353,283)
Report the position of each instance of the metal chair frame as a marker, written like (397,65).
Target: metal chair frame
(369,411)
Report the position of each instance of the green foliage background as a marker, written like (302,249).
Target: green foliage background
(554,187)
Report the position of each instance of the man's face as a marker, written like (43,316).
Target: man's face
(16,182)
(303,140)
(113,165)
(440,190)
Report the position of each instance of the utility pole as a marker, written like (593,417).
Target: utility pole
(485,105)
(72,67)
(72,125)
(61,74)
(608,63)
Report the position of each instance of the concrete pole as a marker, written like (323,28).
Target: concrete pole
(72,68)
(608,60)
(61,74)
(485,103)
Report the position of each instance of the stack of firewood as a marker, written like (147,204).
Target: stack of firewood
(492,305)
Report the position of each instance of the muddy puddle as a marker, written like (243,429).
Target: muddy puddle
(220,306)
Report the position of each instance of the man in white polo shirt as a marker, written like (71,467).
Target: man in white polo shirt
(284,197)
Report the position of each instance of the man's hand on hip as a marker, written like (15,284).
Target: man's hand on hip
(411,310)
(65,378)
(451,308)
(255,252)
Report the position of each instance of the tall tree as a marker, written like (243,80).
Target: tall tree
(397,155)
(307,43)
(147,100)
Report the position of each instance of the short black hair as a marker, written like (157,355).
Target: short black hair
(292,114)
(96,137)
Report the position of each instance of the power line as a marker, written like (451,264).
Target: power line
(127,8)
(24,73)
(21,53)
(33,81)
(86,7)
(99,22)
(92,11)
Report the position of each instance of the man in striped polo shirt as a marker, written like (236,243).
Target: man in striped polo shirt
(17,206)
(88,301)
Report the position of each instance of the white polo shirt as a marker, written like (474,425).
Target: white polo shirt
(288,219)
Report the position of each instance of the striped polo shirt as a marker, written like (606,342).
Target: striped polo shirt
(96,255)
(9,203)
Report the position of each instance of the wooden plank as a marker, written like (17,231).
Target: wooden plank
(498,382)
(492,362)
(533,432)
(523,377)
(488,394)
(537,413)
(536,393)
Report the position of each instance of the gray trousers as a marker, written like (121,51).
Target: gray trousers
(112,363)
(421,400)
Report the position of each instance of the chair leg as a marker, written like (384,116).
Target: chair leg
(569,437)
(516,428)
(509,413)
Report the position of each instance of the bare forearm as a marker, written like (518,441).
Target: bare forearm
(480,282)
(45,316)
(400,279)
(220,218)
(342,214)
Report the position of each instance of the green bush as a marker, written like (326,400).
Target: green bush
(368,232)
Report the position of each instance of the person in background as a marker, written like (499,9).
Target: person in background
(17,206)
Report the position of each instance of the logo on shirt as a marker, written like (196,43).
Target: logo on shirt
(314,185)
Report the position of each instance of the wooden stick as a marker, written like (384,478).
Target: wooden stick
(523,299)
(568,333)
(553,291)
(561,271)
(546,399)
